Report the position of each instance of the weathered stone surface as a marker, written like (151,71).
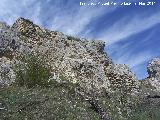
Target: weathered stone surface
(121,76)
(3,26)
(79,60)
(7,75)
(89,74)
(66,53)
(154,73)
(154,68)
(8,43)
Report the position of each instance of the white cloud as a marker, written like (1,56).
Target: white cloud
(134,60)
(121,29)
(75,21)
(69,18)
(10,10)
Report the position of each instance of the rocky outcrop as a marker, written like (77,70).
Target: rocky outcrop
(121,77)
(8,41)
(154,68)
(154,73)
(79,60)
(4,26)
(7,75)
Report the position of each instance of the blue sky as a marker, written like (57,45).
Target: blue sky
(131,32)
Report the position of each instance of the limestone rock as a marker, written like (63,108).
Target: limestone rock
(65,53)
(7,75)
(154,73)
(121,76)
(154,68)
(79,60)
(3,26)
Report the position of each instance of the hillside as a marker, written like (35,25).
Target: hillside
(48,75)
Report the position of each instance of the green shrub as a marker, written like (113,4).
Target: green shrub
(33,71)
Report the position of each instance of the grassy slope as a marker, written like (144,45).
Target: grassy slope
(59,102)
(54,103)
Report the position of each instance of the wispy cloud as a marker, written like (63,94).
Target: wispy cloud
(123,29)
(66,16)
(137,62)
(11,10)
(136,59)
(125,54)
(70,18)
(75,21)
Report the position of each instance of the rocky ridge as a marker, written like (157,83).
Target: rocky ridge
(79,60)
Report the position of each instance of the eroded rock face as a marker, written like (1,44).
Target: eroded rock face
(154,68)
(8,42)
(7,75)
(77,59)
(154,73)
(121,76)
(90,75)
(3,26)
